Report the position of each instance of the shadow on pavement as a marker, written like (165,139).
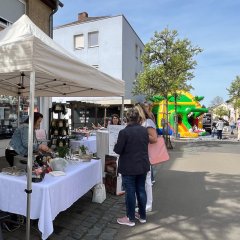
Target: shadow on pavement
(182,193)
(191,206)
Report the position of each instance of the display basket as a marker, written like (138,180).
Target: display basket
(58,164)
(86,157)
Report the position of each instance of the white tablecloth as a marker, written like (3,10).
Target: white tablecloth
(89,142)
(52,195)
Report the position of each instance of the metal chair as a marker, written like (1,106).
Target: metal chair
(6,217)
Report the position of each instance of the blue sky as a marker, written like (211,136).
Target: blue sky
(210,24)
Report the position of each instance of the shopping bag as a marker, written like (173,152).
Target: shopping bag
(99,193)
(119,188)
(158,152)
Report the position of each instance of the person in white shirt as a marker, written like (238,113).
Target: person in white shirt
(232,124)
(148,123)
(238,128)
(219,126)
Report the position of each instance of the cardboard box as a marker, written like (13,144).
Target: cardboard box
(110,165)
(113,184)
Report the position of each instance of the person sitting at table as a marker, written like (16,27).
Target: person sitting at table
(18,144)
(115,120)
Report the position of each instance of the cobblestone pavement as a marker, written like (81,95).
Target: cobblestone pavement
(83,220)
(196,197)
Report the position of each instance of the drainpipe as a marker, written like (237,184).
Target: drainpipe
(46,102)
(58,3)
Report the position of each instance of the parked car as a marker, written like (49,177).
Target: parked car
(207,122)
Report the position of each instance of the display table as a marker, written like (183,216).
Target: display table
(89,142)
(52,195)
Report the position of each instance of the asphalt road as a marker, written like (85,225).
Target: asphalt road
(196,195)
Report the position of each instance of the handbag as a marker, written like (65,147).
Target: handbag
(99,193)
(158,152)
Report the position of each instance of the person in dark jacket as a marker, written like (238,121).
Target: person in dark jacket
(133,165)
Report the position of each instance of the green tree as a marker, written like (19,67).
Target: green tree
(221,111)
(168,66)
(234,92)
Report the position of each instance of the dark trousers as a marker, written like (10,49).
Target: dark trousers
(134,185)
(219,134)
(10,154)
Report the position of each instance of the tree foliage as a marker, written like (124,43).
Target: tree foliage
(234,92)
(221,111)
(168,65)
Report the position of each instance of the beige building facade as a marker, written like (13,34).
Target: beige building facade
(41,13)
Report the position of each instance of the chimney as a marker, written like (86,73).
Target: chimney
(82,16)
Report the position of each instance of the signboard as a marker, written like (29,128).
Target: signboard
(113,136)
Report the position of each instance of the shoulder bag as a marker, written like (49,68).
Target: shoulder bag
(158,152)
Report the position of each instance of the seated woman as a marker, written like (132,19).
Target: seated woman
(19,142)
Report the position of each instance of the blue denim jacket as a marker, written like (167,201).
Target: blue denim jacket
(19,141)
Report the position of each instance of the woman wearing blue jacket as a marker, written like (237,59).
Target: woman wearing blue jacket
(18,144)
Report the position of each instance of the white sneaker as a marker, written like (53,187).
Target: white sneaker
(137,216)
(148,209)
(125,221)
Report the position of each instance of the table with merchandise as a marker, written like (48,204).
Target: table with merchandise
(89,142)
(51,196)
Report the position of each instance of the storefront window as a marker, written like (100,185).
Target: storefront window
(9,114)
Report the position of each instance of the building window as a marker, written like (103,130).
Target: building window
(136,51)
(92,39)
(141,55)
(79,41)
(96,66)
(136,76)
(4,23)
(9,107)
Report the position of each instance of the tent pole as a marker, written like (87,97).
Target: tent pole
(122,110)
(18,111)
(30,152)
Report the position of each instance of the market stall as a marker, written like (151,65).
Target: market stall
(47,196)
(32,64)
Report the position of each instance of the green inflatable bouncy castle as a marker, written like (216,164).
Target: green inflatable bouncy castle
(189,112)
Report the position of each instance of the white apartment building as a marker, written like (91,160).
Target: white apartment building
(108,43)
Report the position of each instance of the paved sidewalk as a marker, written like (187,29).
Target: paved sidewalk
(83,220)
(196,195)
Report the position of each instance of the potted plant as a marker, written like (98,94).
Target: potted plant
(62,151)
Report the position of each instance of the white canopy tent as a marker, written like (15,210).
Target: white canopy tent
(24,48)
(32,64)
